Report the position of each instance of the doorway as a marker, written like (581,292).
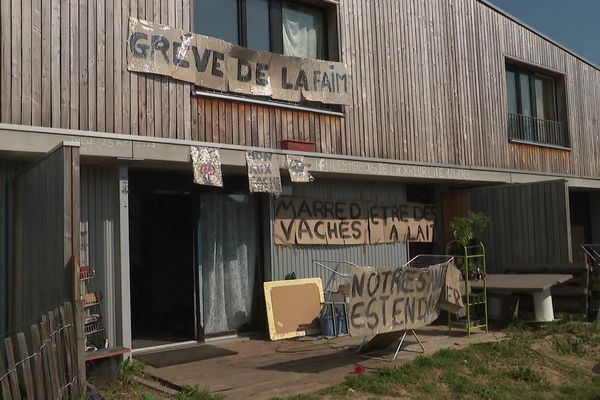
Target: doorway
(163,301)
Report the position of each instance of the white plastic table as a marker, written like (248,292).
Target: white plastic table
(537,284)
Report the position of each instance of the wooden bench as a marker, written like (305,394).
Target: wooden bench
(103,365)
(106,353)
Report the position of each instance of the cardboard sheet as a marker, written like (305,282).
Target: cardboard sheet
(451,299)
(293,307)
(206,162)
(215,64)
(306,221)
(263,172)
(385,300)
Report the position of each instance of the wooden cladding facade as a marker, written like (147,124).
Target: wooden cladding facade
(221,121)
(428,84)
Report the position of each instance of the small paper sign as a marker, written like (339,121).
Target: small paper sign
(263,172)
(206,162)
(298,169)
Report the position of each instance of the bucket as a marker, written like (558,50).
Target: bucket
(340,319)
(326,322)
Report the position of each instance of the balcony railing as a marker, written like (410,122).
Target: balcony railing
(531,129)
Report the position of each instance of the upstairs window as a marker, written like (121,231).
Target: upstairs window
(294,28)
(303,31)
(536,106)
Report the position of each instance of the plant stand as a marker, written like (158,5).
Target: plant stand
(473,258)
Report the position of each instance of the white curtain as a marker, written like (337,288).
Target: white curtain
(301,32)
(227,261)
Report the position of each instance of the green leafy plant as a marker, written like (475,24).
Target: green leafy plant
(469,227)
(129,369)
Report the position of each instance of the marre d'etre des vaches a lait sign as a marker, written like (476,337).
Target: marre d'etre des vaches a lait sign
(215,64)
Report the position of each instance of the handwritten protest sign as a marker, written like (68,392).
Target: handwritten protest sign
(392,299)
(451,299)
(298,169)
(206,162)
(339,222)
(215,64)
(263,172)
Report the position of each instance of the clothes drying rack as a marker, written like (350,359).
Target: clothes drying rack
(342,270)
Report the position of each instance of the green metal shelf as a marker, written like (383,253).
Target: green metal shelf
(468,263)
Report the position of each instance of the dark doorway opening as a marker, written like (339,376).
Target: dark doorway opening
(163,301)
(581,224)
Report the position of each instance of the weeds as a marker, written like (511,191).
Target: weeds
(195,393)
(129,369)
(568,345)
(523,374)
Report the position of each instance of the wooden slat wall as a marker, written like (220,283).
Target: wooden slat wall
(529,224)
(221,121)
(46,235)
(454,205)
(428,83)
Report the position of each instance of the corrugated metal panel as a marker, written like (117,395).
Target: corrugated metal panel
(299,259)
(99,233)
(8,170)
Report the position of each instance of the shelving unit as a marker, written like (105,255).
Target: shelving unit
(92,322)
(473,267)
(99,353)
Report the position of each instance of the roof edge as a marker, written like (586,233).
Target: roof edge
(540,34)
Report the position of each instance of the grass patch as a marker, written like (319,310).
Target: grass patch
(532,364)
(523,374)
(195,393)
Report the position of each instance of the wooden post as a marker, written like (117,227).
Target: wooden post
(73,344)
(76,278)
(60,351)
(37,363)
(46,358)
(48,327)
(67,351)
(80,336)
(4,383)
(25,364)
(14,379)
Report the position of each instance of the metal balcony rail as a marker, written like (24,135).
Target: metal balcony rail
(531,129)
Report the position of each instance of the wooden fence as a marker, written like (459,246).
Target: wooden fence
(52,367)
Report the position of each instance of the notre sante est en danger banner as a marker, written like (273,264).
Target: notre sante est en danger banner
(215,64)
(323,222)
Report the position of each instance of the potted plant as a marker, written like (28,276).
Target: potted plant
(467,230)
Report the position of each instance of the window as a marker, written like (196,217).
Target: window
(303,31)
(296,28)
(535,98)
